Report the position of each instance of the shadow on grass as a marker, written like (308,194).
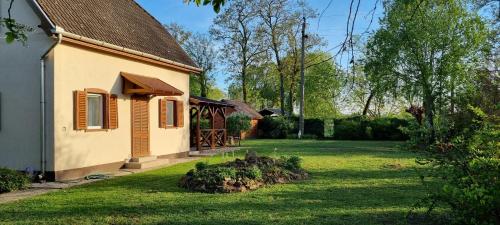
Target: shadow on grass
(296,203)
(374,195)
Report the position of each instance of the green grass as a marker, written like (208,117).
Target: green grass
(352,182)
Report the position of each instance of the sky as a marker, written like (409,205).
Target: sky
(331,26)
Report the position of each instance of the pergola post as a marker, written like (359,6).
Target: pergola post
(198,129)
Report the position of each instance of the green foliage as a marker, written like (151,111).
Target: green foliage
(201,166)
(240,175)
(238,122)
(292,163)
(363,128)
(15,31)
(322,84)
(313,127)
(427,51)
(274,127)
(252,172)
(11,180)
(468,162)
(216,4)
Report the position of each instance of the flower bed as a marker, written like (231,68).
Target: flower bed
(242,175)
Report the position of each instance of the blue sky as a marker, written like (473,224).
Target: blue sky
(332,26)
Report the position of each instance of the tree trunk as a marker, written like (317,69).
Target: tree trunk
(244,84)
(429,113)
(203,85)
(368,102)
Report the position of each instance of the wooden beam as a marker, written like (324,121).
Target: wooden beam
(198,131)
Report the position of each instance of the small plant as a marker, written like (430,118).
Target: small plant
(201,166)
(253,172)
(11,180)
(293,163)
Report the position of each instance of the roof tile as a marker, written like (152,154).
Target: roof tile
(119,22)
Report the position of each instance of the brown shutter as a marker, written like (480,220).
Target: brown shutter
(105,108)
(163,113)
(113,112)
(179,106)
(80,110)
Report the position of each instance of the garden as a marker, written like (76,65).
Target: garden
(349,182)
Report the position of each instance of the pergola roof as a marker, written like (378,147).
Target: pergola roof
(196,100)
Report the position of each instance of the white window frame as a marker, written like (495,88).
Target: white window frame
(101,114)
(173,113)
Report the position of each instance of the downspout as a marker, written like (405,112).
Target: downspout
(43,133)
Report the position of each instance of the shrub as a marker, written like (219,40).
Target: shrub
(362,128)
(274,127)
(292,163)
(11,180)
(238,122)
(467,161)
(252,172)
(241,175)
(314,127)
(201,166)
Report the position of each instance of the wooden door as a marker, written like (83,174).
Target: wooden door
(140,126)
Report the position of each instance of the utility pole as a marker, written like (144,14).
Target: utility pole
(302,80)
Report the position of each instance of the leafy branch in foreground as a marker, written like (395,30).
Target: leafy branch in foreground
(15,31)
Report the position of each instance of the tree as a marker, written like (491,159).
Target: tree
(204,54)
(202,51)
(236,29)
(427,49)
(321,88)
(237,123)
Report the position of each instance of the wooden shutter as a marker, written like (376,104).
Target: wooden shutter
(105,110)
(80,110)
(179,107)
(163,113)
(113,112)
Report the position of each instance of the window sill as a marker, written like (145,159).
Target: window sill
(96,130)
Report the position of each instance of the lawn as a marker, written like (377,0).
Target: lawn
(352,182)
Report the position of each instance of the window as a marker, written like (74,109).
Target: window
(170,113)
(95,112)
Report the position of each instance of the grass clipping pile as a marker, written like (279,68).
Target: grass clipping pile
(243,175)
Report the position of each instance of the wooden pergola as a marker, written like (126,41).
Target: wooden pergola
(214,134)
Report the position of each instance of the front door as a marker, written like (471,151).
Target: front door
(140,126)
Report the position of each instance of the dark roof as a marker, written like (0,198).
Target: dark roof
(197,100)
(151,85)
(245,108)
(270,111)
(119,22)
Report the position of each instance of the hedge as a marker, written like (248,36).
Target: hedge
(362,128)
(349,128)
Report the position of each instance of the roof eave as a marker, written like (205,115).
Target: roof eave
(59,30)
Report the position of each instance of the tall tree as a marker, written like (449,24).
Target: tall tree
(236,28)
(278,19)
(204,54)
(427,48)
(202,51)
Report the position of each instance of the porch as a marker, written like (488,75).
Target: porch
(207,123)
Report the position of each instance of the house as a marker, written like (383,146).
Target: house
(249,111)
(98,84)
(271,112)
